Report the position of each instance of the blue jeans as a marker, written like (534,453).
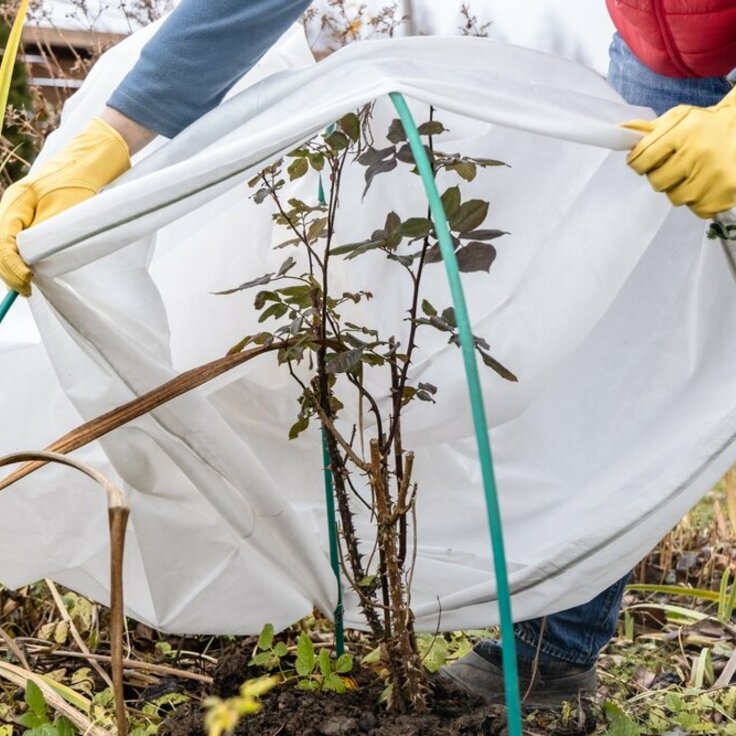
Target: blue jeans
(577,635)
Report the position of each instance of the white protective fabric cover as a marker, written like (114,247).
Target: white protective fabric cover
(612,309)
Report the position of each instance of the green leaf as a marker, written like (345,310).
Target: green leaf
(344,664)
(32,720)
(265,638)
(304,664)
(476,256)
(416,227)
(307,685)
(494,365)
(275,310)
(298,168)
(451,200)
(281,650)
(464,169)
(35,700)
(64,727)
(260,281)
(428,309)
(373,657)
(298,427)
(344,362)
(317,160)
(470,216)
(317,229)
(337,141)
(351,126)
(334,683)
(620,723)
(325,663)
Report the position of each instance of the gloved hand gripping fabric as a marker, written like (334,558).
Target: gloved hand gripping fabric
(92,160)
(689,153)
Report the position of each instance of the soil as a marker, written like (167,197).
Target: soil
(288,711)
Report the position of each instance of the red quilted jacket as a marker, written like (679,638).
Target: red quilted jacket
(679,38)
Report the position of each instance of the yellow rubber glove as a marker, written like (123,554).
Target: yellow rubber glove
(690,154)
(92,160)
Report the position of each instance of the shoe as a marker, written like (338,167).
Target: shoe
(481,673)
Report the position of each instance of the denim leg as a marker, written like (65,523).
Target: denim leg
(638,85)
(577,635)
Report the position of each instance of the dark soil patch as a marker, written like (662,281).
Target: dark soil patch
(288,711)
(291,712)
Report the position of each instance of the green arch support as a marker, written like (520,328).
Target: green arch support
(439,217)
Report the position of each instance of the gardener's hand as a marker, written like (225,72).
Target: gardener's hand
(92,160)
(690,154)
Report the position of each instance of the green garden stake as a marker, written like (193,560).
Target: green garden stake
(334,552)
(7,302)
(331,518)
(439,217)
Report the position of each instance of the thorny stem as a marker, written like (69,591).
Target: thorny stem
(324,408)
(411,343)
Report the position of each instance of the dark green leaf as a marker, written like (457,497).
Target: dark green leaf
(298,168)
(260,281)
(396,132)
(464,169)
(380,168)
(351,250)
(393,223)
(428,309)
(451,201)
(317,160)
(265,296)
(275,310)
(351,126)
(428,387)
(483,234)
(433,127)
(286,266)
(470,216)
(499,368)
(337,141)
(486,162)
(416,227)
(344,362)
(373,156)
(448,316)
(476,256)
(298,427)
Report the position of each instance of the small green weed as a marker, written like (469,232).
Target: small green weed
(36,719)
